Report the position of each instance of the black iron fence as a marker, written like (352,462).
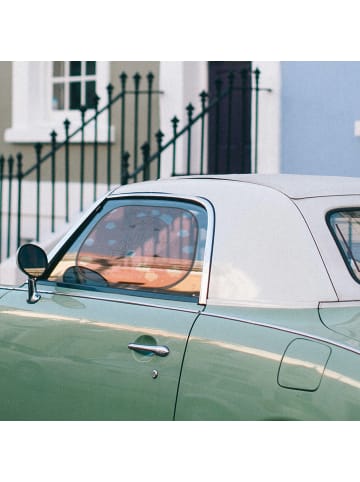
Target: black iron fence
(142,161)
(208,105)
(60,164)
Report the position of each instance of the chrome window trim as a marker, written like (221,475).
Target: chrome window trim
(206,204)
(113,300)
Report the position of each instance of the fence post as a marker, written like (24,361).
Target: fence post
(190,110)
(96,101)
(53,179)
(38,148)
(67,125)
(19,158)
(146,154)
(82,157)
(150,78)
(10,177)
(175,122)
(203,97)
(137,78)
(110,89)
(159,136)
(123,78)
(125,168)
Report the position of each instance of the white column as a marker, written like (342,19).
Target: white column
(269,119)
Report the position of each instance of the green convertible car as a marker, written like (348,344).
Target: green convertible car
(230,297)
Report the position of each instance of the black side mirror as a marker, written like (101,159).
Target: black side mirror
(32,261)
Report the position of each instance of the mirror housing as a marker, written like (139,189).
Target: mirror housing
(32,261)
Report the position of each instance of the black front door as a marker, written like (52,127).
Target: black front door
(230,119)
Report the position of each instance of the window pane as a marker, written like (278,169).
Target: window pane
(58,97)
(58,69)
(345,227)
(75,68)
(140,245)
(75,95)
(90,68)
(154,247)
(90,94)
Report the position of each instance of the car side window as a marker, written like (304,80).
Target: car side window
(345,227)
(136,244)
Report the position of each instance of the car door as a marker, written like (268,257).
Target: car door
(107,338)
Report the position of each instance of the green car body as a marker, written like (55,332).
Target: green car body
(248,307)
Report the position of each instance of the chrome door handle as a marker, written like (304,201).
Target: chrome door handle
(155,349)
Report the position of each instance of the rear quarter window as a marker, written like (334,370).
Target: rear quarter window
(344,225)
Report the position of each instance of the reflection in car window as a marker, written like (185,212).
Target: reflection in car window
(345,227)
(155,245)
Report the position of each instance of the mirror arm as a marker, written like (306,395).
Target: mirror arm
(33,295)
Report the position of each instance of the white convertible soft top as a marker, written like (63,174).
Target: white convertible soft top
(296,186)
(267,247)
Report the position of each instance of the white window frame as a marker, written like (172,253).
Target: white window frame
(33,118)
(66,80)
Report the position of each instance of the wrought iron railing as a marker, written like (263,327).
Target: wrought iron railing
(224,93)
(59,158)
(142,163)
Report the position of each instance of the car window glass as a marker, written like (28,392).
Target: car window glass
(151,245)
(345,227)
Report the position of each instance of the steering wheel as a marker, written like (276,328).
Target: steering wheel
(84,276)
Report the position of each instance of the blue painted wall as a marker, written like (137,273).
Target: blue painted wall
(319,106)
